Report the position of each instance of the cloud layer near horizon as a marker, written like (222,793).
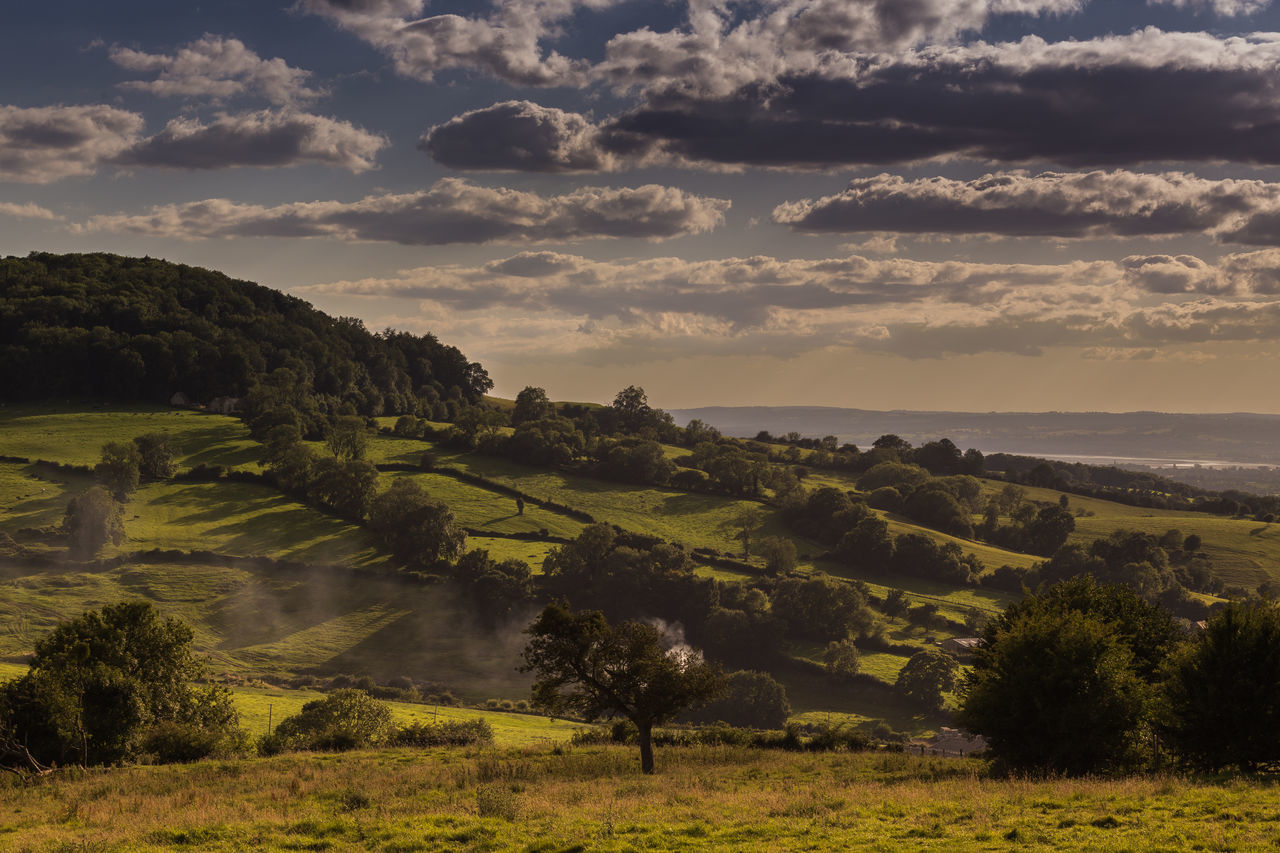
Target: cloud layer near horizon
(451,211)
(908,308)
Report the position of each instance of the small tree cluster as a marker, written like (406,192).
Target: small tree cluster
(115,684)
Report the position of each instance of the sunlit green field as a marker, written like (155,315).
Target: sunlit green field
(262,622)
(260,706)
(593,798)
(75,434)
(696,520)
(485,509)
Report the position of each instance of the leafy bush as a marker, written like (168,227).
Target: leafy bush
(476,732)
(345,719)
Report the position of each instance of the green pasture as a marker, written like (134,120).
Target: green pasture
(31,498)
(696,520)
(1244,552)
(243,519)
(259,706)
(500,549)
(485,509)
(251,621)
(75,434)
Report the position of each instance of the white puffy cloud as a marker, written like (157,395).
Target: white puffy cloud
(26,211)
(1226,8)
(43,144)
(451,211)
(262,138)
(506,44)
(1078,204)
(218,68)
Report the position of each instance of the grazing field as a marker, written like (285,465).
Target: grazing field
(1244,552)
(259,706)
(594,798)
(485,509)
(696,520)
(254,621)
(74,435)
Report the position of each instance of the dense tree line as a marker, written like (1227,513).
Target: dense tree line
(1087,677)
(101,325)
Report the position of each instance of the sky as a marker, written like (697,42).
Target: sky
(974,205)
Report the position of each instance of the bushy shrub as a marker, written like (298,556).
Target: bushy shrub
(475,732)
(345,719)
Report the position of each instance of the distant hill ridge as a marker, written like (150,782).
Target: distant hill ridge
(1237,438)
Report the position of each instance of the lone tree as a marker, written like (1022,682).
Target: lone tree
(587,666)
(93,519)
(156,456)
(927,676)
(119,469)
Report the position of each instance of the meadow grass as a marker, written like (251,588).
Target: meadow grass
(251,621)
(694,519)
(243,519)
(475,506)
(259,706)
(594,798)
(74,434)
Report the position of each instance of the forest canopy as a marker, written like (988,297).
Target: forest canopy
(102,325)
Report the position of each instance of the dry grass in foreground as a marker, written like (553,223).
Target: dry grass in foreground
(594,798)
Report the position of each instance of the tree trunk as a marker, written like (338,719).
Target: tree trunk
(646,747)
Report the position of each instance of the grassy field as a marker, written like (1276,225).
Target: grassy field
(259,706)
(75,434)
(475,506)
(261,622)
(593,798)
(696,520)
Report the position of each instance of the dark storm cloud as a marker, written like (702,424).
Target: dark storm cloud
(1149,96)
(1094,113)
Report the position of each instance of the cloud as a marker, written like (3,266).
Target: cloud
(263,138)
(26,211)
(1225,8)
(1050,204)
(725,47)
(451,211)
(519,136)
(506,44)
(1148,96)
(43,144)
(1243,274)
(783,307)
(218,68)
(754,96)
